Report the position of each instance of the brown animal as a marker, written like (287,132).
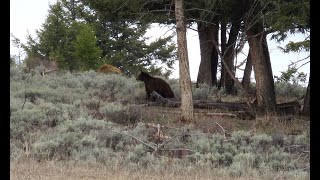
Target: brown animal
(155,84)
(108,68)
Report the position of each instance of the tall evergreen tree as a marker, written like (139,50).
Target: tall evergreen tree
(120,39)
(86,51)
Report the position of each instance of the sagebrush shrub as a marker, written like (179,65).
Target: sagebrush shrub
(261,141)
(57,117)
(202,92)
(288,90)
(57,146)
(120,113)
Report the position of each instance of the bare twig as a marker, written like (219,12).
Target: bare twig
(297,145)
(136,139)
(157,148)
(120,7)
(231,74)
(155,126)
(292,63)
(224,131)
(178,149)
(306,168)
(241,63)
(303,64)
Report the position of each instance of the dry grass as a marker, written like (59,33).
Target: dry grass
(206,120)
(66,170)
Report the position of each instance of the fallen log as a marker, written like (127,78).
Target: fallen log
(201,104)
(288,108)
(240,110)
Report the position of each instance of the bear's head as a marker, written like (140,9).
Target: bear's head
(143,76)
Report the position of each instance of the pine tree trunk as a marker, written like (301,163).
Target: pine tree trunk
(266,98)
(223,50)
(205,41)
(306,104)
(208,33)
(185,81)
(247,72)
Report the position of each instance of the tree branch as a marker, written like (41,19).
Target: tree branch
(231,74)
(299,60)
(136,139)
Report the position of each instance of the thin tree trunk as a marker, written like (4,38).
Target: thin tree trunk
(185,81)
(247,72)
(215,54)
(229,56)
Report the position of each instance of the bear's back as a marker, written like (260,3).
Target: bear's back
(160,86)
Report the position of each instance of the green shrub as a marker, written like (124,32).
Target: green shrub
(246,160)
(280,161)
(139,156)
(288,90)
(57,145)
(89,79)
(92,103)
(109,138)
(71,82)
(116,112)
(88,141)
(242,140)
(202,92)
(261,141)
(84,125)
(33,118)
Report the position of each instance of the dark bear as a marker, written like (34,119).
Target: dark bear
(155,84)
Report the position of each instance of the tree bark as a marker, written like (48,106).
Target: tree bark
(223,50)
(206,48)
(247,72)
(306,104)
(215,53)
(209,56)
(184,80)
(229,56)
(266,98)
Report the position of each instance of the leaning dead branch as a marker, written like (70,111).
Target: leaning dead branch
(126,134)
(158,146)
(223,130)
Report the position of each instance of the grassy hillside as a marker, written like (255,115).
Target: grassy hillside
(64,123)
